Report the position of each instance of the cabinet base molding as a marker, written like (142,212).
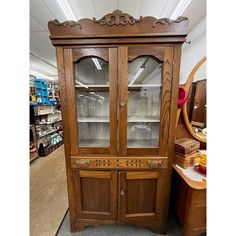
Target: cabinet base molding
(83,223)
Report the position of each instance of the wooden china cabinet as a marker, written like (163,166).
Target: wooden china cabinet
(119,79)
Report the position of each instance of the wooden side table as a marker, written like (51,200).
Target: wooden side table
(190,204)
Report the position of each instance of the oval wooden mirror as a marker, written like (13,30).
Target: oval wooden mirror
(194,110)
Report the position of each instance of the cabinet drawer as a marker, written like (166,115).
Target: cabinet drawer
(133,163)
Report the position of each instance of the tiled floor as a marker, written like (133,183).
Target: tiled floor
(48,193)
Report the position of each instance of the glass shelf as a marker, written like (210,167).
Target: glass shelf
(94,143)
(92,86)
(93,119)
(142,143)
(144,85)
(143,119)
(106,119)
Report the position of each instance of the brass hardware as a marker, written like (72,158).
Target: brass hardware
(122,104)
(154,163)
(122,193)
(82,163)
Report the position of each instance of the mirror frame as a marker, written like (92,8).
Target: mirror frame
(187,86)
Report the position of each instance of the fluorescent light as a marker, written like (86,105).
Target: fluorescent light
(140,70)
(66,8)
(180,8)
(96,63)
(81,84)
(36,73)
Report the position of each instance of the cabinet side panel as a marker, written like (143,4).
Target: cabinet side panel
(166,100)
(62,88)
(70,93)
(172,127)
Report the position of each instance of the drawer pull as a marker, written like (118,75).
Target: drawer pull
(154,163)
(82,163)
(122,193)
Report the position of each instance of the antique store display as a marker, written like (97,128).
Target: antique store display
(194,111)
(119,82)
(185,151)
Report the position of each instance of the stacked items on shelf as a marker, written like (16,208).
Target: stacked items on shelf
(41,86)
(185,151)
(48,128)
(51,143)
(33,144)
(32,91)
(53,93)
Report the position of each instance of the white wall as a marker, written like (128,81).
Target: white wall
(193,52)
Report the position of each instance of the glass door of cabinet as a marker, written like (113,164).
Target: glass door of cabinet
(92,94)
(144,97)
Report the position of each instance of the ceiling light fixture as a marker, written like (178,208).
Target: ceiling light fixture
(140,70)
(96,63)
(180,8)
(66,8)
(36,73)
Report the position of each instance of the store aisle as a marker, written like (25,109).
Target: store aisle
(48,194)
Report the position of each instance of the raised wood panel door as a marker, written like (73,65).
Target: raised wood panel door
(96,194)
(140,197)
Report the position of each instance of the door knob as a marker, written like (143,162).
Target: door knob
(122,104)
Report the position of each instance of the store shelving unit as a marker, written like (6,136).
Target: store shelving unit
(46,116)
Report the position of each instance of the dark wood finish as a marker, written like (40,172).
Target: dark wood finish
(140,196)
(64,109)
(190,204)
(146,26)
(94,189)
(83,52)
(96,193)
(166,100)
(157,52)
(123,99)
(199,114)
(113,99)
(114,162)
(70,96)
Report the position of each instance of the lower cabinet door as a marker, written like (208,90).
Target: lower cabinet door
(140,196)
(96,194)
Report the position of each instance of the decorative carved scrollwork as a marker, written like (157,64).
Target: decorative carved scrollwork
(154,163)
(168,21)
(66,23)
(117,17)
(82,163)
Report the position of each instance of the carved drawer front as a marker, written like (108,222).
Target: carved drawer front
(119,162)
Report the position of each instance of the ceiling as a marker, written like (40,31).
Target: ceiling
(42,53)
